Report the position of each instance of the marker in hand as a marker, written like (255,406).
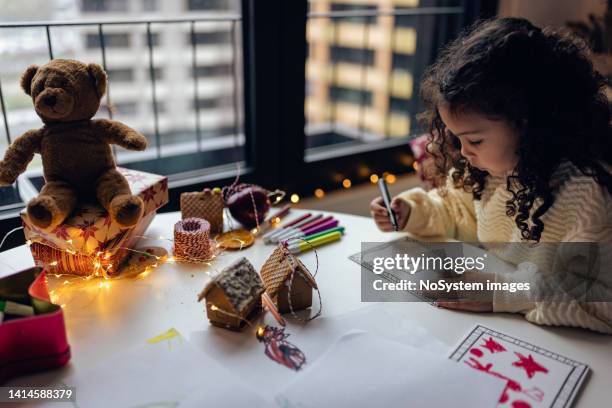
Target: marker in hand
(384,192)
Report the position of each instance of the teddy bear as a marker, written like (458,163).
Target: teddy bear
(78,163)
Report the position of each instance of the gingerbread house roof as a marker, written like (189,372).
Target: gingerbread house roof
(239,282)
(278,268)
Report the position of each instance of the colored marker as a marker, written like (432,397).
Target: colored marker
(274,219)
(274,238)
(295,231)
(316,242)
(12,308)
(318,234)
(276,231)
(312,230)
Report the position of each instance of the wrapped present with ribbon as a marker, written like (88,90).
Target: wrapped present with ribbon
(207,204)
(89,241)
(32,331)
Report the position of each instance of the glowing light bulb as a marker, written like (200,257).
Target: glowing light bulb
(295,198)
(319,193)
(374,178)
(346,183)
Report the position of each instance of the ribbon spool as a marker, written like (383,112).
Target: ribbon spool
(192,240)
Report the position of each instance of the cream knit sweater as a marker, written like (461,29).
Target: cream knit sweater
(582,212)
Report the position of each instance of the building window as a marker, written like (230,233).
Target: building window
(352,55)
(210,37)
(120,74)
(221,101)
(154,39)
(104,5)
(125,108)
(217,70)
(195,5)
(112,40)
(149,5)
(403,61)
(158,73)
(353,96)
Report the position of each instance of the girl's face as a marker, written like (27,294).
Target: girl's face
(488,145)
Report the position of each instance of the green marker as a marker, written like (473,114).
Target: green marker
(318,234)
(12,308)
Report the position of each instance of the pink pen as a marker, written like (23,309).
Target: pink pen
(322,227)
(312,230)
(297,230)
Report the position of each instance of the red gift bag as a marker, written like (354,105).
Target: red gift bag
(35,343)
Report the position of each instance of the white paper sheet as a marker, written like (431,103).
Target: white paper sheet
(369,371)
(167,374)
(244,356)
(535,377)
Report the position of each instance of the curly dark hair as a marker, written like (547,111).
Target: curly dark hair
(540,81)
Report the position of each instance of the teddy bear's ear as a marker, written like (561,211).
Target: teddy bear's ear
(99,77)
(26,79)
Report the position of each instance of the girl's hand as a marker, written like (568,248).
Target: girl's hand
(470,301)
(400,208)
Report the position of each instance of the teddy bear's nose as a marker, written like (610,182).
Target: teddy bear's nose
(50,100)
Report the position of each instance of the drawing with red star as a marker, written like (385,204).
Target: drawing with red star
(529,365)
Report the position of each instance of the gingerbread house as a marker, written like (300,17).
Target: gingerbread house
(285,275)
(233,296)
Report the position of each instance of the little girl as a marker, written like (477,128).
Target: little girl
(521,137)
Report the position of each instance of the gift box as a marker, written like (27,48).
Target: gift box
(89,241)
(34,343)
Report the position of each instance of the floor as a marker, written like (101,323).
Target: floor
(356,200)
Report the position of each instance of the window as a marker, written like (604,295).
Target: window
(210,37)
(150,5)
(221,101)
(125,108)
(353,96)
(120,74)
(216,70)
(104,5)
(194,5)
(352,55)
(154,39)
(111,40)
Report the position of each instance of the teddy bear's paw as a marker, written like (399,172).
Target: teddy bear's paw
(126,210)
(43,212)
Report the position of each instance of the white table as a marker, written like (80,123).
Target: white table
(103,320)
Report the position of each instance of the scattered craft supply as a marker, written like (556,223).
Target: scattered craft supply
(207,204)
(269,305)
(233,296)
(192,240)
(248,203)
(15,309)
(297,247)
(279,349)
(273,220)
(167,335)
(144,260)
(236,239)
(269,235)
(288,282)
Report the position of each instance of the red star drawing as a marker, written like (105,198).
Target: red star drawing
(493,346)
(529,365)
